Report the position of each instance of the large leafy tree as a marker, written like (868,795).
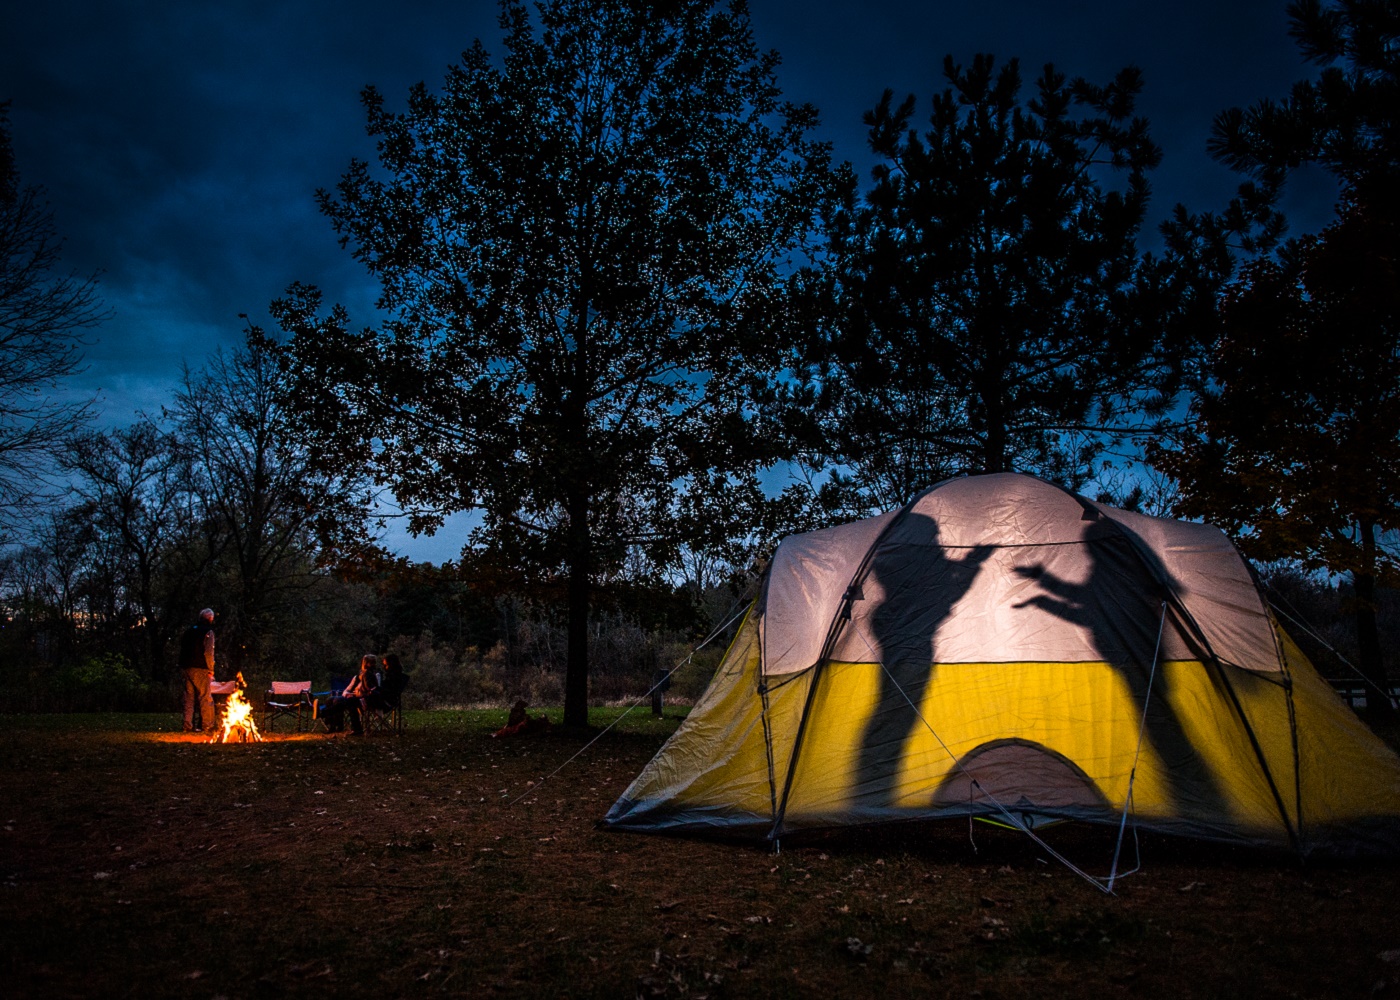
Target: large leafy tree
(1294,443)
(1346,121)
(1295,447)
(988,306)
(581,252)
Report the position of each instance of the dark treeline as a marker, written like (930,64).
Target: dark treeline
(217,504)
(623,288)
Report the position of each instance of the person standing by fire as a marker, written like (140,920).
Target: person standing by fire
(197,664)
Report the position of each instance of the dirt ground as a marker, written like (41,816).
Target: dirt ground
(138,863)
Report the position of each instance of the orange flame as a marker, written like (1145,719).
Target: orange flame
(238,719)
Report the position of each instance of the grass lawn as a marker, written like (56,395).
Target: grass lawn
(136,862)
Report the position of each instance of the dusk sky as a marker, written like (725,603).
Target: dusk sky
(180,144)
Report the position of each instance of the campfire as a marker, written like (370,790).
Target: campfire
(238,722)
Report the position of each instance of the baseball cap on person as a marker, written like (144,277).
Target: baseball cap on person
(207,613)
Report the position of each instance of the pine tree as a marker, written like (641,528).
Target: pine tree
(987,306)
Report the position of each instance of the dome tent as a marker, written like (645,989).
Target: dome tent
(1001,645)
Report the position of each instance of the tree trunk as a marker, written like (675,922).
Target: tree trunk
(995,460)
(576,664)
(1368,640)
(997,444)
(155,648)
(154,642)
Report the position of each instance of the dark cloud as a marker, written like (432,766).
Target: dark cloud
(1198,58)
(180,144)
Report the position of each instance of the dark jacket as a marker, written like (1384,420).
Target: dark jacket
(391,687)
(197,646)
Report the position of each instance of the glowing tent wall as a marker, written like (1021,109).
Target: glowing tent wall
(1003,644)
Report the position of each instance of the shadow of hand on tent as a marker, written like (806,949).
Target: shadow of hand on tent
(921,586)
(1120,605)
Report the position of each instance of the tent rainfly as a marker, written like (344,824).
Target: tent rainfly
(1003,647)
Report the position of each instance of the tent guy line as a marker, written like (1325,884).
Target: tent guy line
(743,607)
(1319,638)
(1016,822)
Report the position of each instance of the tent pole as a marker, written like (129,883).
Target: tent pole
(768,743)
(1137,753)
(777,829)
(1297,761)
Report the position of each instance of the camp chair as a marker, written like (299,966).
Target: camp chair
(335,686)
(322,699)
(383,712)
(289,698)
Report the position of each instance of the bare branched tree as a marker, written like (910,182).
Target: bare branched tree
(273,515)
(134,485)
(43,315)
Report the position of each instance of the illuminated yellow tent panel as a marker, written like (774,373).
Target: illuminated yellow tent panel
(1003,646)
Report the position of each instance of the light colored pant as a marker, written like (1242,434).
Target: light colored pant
(197,687)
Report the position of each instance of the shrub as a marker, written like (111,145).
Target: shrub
(103,682)
(440,677)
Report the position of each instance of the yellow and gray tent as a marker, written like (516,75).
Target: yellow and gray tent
(1003,647)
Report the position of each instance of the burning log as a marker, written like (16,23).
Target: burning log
(238,719)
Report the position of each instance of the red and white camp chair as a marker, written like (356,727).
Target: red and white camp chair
(288,698)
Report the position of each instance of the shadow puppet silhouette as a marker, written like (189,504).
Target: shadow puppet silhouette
(919,594)
(1120,604)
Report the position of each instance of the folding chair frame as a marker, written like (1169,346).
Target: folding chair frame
(383,720)
(289,698)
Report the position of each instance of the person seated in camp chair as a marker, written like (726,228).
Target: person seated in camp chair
(392,681)
(382,707)
(351,700)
